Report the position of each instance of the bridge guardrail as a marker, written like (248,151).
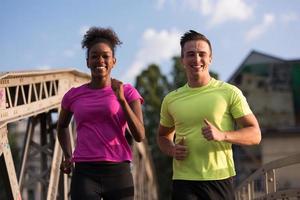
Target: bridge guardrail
(268,190)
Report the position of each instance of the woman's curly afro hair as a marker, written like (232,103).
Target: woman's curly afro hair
(97,34)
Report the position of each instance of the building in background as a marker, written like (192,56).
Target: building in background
(272,88)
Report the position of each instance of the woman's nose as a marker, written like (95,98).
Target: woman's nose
(100,59)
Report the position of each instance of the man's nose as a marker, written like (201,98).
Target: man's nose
(197,58)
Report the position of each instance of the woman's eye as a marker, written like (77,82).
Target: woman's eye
(106,56)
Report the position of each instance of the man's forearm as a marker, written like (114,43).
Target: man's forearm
(165,145)
(244,136)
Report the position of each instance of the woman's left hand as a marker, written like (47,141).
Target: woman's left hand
(117,87)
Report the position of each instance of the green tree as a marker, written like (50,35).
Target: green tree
(153,86)
(178,73)
(214,74)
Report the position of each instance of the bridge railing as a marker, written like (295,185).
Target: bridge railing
(263,183)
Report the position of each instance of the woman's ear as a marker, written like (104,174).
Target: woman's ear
(114,61)
(87,62)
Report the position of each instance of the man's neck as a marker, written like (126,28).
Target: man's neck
(199,81)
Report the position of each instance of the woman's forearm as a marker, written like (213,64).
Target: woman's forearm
(134,120)
(64,140)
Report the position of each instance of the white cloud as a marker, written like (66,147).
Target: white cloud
(216,11)
(259,29)
(157,47)
(226,10)
(206,7)
(221,11)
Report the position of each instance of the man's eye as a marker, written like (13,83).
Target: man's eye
(202,54)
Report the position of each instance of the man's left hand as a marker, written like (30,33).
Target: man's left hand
(210,132)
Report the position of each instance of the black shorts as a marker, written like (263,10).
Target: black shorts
(203,190)
(110,181)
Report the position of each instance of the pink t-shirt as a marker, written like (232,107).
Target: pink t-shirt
(100,123)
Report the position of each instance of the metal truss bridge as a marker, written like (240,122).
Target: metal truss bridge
(33,98)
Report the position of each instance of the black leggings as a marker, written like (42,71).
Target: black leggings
(203,190)
(110,181)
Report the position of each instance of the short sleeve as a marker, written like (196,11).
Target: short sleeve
(67,100)
(239,105)
(131,94)
(165,118)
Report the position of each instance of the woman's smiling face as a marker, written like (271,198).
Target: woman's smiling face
(100,59)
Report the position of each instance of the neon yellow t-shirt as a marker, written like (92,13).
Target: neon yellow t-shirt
(186,108)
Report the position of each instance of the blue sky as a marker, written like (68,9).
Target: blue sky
(38,34)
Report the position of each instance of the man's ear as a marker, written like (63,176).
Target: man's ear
(181,61)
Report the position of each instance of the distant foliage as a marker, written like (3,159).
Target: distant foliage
(178,73)
(153,86)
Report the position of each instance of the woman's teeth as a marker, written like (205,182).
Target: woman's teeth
(101,68)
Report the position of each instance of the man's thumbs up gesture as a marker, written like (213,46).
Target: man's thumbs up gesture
(210,132)
(180,150)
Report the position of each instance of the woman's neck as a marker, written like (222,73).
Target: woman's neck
(99,83)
